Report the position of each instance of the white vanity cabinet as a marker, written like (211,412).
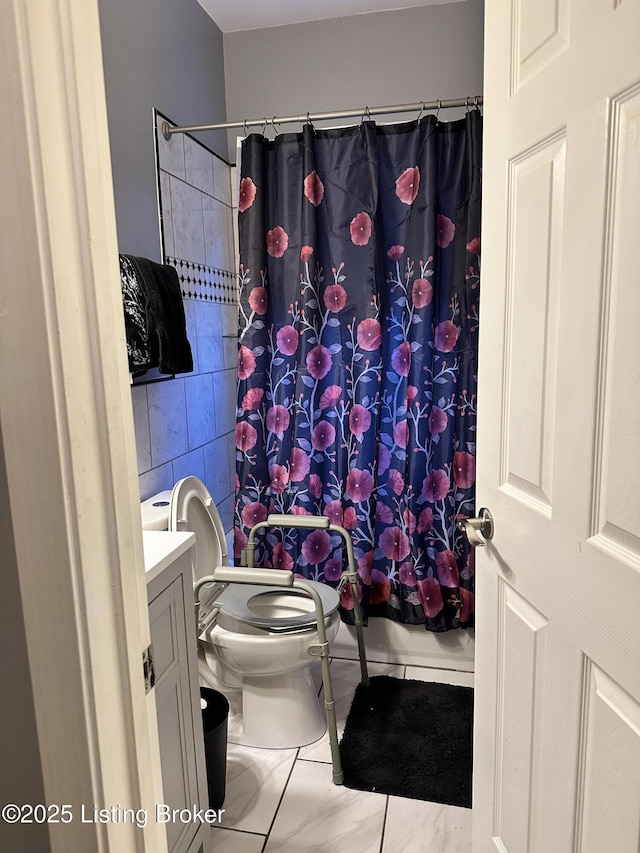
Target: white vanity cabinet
(174,651)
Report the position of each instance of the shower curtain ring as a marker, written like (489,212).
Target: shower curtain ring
(264,124)
(308,118)
(439,102)
(421,111)
(244,126)
(366,115)
(475,102)
(466,103)
(273,125)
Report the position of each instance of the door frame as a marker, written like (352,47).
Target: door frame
(66,430)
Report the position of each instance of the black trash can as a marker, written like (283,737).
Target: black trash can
(215,713)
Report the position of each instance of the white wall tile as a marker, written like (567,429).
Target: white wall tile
(198,165)
(189,465)
(217,474)
(188,230)
(216,218)
(167,216)
(167,420)
(210,340)
(225,393)
(190,314)
(200,409)
(156,480)
(141,426)
(222,180)
(170,152)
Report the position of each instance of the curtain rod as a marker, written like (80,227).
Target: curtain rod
(469,101)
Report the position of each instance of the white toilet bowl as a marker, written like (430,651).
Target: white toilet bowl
(257,653)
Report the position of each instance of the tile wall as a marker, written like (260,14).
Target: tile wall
(186,426)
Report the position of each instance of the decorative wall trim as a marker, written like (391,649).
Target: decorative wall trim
(198,281)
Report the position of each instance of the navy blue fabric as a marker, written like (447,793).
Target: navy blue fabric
(357,363)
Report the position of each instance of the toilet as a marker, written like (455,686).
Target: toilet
(257,651)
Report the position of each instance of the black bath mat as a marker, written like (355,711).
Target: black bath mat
(410,739)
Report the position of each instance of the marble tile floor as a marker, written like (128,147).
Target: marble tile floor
(283,801)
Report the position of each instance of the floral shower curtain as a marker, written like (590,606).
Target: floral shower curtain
(357,360)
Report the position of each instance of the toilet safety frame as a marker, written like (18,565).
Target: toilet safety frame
(249,574)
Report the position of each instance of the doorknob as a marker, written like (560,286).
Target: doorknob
(479,529)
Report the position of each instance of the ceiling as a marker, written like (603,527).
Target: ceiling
(234,15)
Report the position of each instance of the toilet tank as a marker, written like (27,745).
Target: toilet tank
(155,511)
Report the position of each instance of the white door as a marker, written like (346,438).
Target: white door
(557,760)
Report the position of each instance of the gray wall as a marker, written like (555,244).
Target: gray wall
(376,59)
(21,773)
(157,53)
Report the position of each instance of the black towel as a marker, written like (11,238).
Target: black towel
(169,347)
(134,301)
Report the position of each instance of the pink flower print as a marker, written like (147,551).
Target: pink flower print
(435,485)
(346,597)
(401,358)
(277,242)
(395,252)
(350,519)
(395,481)
(253,513)
(422,292)
(335,298)
(305,254)
(247,194)
(252,399)
(319,362)
(278,420)
(467,608)
(412,393)
(401,433)
(446,336)
(279,477)
(369,334)
(438,420)
(313,188)
(430,596)
(258,300)
(447,569)
(359,419)
(425,520)
(408,184)
(332,570)
(315,485)
(408,574)
(394,543)
(473,246)
(239,541)
(246,436)
(383,513)
(464,469)
(237,484)
(359,485)
(316,547)
(299,510)
(380,587)
(300,465)
(384,458)
(330,397)
(360,229)
(246,362)
(280,558)
(409,520)
(445,229)
(365,565)
(287,340)
(333,511)
(323,435)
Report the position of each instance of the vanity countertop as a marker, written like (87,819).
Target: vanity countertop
(162,548)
